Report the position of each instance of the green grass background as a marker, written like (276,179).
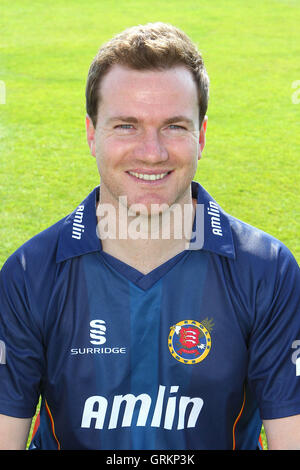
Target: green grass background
(251,160)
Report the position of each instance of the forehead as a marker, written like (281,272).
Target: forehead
(148,91)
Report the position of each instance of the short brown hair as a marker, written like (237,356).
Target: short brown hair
(147,47)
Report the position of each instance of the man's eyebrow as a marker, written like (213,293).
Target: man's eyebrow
(180,118)
(130,119)
(134,120)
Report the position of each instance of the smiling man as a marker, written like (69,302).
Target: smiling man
(147,148)
(136,340)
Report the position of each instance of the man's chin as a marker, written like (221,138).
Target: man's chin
(147,210)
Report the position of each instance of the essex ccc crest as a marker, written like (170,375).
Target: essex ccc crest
(190,341)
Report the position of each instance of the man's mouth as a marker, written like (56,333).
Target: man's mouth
(149,176)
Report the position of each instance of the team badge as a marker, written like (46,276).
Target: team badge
(190,341)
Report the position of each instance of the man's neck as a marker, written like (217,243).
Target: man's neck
(146,242)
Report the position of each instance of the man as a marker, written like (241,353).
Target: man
(134,336)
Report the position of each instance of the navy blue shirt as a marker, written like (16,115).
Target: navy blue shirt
(192,355)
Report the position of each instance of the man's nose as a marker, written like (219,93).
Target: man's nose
(150,147)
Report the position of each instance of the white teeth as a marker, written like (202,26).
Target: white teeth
(148,177)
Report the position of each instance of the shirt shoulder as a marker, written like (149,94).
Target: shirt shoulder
(60,241)
(264,274)
(37,252)
(258,248)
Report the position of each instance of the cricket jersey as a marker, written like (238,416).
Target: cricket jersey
(192,355)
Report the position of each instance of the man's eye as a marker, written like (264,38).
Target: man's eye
(124,126)
(176,127)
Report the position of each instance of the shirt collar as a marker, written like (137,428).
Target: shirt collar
(78,235)
(215,228)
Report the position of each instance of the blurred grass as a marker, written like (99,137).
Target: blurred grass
(250,163)
(251,159)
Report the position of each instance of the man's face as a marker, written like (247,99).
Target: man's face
(147,140)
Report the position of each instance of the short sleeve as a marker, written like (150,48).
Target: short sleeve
(272,372)
(22,356)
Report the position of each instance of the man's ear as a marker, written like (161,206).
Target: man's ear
(90,134)
(202,137)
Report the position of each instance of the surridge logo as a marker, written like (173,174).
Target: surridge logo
(97,335)
(77,226)
(97,332)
